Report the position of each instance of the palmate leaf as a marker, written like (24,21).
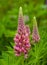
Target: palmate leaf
(11,59)
(38,53)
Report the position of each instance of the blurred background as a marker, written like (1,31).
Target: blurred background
(9,10)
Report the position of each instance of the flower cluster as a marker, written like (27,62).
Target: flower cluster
(35,33)
(22,37)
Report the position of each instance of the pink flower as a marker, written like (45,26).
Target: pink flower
(35,33)
(28,29)
(22,43)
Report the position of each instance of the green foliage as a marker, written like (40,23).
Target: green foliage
(8,27)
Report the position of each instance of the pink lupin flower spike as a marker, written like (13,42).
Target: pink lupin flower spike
(35,33)
(28,29)
(21,25)
(21,39)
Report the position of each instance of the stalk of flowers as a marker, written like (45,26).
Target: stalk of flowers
(35,33)
(21,39)
(28,29)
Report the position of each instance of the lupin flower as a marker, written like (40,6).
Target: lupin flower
(28,29)
(22,44)
(35,33)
